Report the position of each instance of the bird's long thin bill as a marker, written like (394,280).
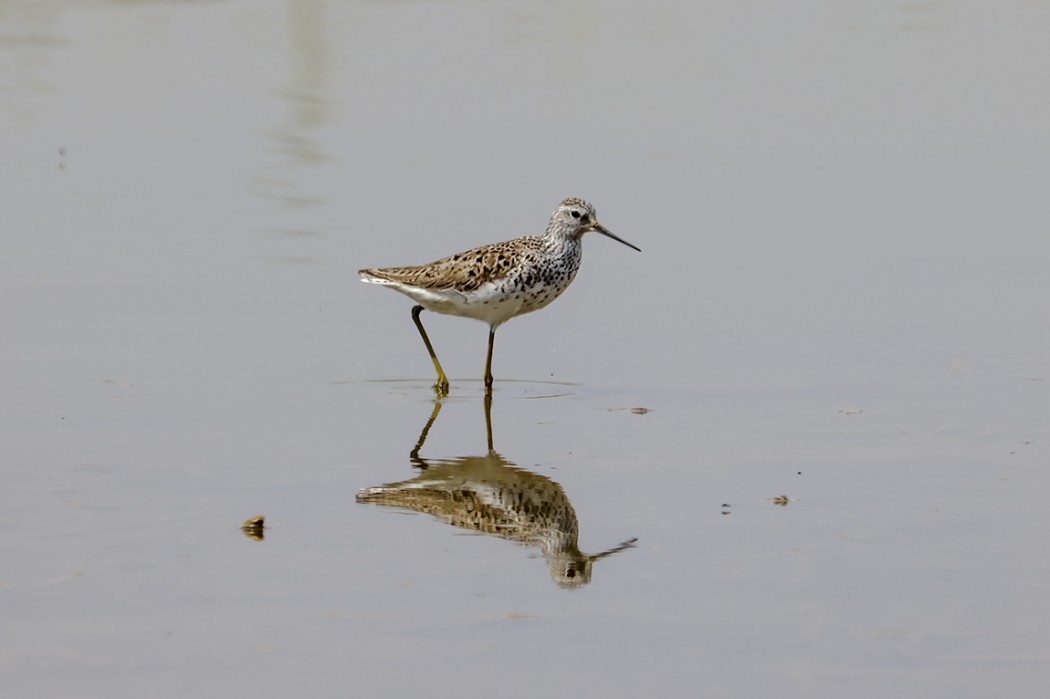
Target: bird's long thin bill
(603,231)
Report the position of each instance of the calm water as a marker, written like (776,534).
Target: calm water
(837,330)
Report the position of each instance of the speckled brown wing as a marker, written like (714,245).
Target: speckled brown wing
(466,271)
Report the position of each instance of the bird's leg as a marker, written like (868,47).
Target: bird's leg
(441,387)
(488,417)
(488,360)
(418,461)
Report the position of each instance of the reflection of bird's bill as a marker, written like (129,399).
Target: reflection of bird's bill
(615,549)
(604,231)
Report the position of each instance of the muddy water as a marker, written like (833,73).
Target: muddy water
(818,398)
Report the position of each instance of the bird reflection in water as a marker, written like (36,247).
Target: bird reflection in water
(488,494)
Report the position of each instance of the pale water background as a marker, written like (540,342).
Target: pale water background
(844,212)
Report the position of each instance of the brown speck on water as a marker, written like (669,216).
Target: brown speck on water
(515,616)
(253,527)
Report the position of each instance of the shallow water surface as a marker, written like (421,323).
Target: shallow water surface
(796,446)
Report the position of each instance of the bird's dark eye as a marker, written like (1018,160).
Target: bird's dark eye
(575,213)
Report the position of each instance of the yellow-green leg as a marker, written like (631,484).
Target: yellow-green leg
(441,387)
(488,360)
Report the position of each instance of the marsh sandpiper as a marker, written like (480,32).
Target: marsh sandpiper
(494,283)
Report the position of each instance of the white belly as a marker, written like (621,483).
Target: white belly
(493,303)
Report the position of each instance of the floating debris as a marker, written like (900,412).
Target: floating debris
(253,528)
(781,500)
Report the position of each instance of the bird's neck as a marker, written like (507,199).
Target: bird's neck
(556,239)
